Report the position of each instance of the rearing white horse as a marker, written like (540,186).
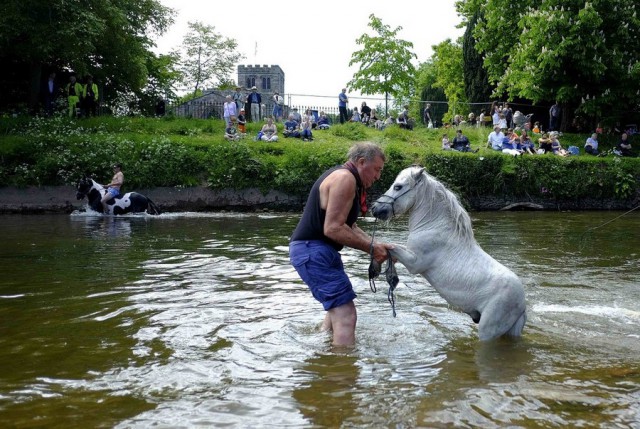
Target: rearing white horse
(442,248)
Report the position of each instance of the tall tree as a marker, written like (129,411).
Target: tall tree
(429,92)
(384,63)
(208,57)
(163,75)
(108,38)
(476,81)
(447,60)
(586,55)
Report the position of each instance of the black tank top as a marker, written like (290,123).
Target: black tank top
(311,225)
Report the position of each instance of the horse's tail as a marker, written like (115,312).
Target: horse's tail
(152,208)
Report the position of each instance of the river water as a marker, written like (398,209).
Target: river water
(198,320)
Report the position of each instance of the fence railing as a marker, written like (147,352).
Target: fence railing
(215,110)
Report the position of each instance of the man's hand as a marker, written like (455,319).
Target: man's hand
(381,251)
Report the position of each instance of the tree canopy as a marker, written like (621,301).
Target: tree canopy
(207,56)
(447,61)
(384,62)
(109,39)
(476,82)
(586,55)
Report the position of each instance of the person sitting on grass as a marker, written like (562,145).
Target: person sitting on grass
(526,144)
(511,145)
(355,116)
(230,132)
(495,138)
(591,145)
(365,113)
(624,146)
(269,131)
(403,119)
(556,147)
(306,134)
(544,144)
(461,142)
(291,127)
(446,144)
(323,121)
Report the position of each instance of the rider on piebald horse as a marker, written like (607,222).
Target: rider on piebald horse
(113,188)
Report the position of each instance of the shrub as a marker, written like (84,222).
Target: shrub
(186,152)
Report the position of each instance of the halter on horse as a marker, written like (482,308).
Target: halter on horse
(131,202)
(441,247)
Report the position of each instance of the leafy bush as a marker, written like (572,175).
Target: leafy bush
(186,152)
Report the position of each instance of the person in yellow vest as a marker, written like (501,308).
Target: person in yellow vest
(89,97)
(73,91)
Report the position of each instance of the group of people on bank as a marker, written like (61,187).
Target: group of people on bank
(513,144)
(82,98)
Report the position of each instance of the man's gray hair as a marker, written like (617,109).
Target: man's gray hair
(366,150)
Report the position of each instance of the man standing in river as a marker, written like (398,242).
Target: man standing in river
(328,223)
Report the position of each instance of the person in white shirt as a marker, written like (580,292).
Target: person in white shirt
(591,146)
(495,138)
(229,110)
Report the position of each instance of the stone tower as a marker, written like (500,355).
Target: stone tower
(266,79)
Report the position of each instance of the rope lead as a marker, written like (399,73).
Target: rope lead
(390,273)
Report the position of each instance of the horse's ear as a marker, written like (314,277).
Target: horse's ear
(417,174)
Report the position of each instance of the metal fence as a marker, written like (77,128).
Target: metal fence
(215,110)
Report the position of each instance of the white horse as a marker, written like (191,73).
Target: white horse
(442,248)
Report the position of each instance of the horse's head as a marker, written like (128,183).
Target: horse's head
(84,187)
(401,195)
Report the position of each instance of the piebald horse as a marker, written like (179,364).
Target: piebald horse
(131,202)
(441,247)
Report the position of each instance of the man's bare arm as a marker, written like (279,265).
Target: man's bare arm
(340,192)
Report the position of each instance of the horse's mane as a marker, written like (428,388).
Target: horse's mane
(444,206)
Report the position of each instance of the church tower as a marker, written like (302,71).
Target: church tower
(267,79)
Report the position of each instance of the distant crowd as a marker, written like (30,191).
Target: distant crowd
(513,133)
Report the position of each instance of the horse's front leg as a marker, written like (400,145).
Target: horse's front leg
(407,258)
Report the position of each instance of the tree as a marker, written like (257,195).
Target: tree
(429,92)
(163,75)
(586,55)
(384,63)
(447,61)
(208,57)
(476,82)
(109,39)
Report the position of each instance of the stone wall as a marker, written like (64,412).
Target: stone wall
(62,199)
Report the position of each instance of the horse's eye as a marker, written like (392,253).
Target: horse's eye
(397,187)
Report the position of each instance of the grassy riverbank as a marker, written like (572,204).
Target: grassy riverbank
(189,152)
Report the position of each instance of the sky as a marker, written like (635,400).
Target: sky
(312,42)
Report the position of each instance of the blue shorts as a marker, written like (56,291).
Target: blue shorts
(113,192)
(320,267)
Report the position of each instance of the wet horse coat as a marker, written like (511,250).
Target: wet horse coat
(131,202)
(441,247)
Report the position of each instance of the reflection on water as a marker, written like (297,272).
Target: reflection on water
(197,319)
(327,399)
(105,227)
